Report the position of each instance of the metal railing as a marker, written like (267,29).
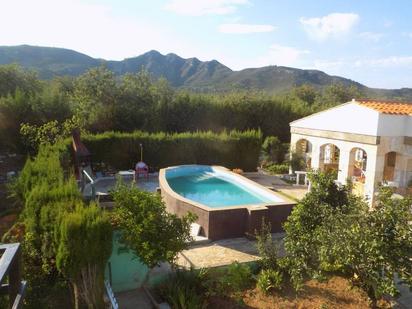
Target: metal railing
(110,295)
(93,189)
(10,274)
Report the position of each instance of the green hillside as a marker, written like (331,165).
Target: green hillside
(192,74)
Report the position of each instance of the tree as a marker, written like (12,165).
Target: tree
(152,233)
(338,93)
(46,195)
(333,230)
(94,96)
(373,247)
(135,101)
(302,243)
(274,150)
(306,93)
(13,78)
(48,133)
(84,249)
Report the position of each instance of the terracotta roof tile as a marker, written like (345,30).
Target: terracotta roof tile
(387,107)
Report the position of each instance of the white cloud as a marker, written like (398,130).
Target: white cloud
(371,36)
(245,28)
(328,65)
(391,62)
(281,55)
(386,62)
(93,29)
(204,7)
(330,26)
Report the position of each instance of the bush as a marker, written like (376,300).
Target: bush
(269,279)
(274,150)
(297,162)
(238,277)
(278,168)
(331,230)
(48,197)
(308,217)
(184,289)
(267,248)
(232,149)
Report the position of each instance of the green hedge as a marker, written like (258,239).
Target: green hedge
(278,168)
(232,149)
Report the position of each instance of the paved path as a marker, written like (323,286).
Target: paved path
(277,184)
(133,299)
(405,299)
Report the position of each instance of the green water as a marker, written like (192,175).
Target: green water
(127,272)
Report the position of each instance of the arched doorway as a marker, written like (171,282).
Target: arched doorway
(329,158)
(303,150)
(358,161)
(357,164)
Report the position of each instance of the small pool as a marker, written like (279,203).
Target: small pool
(216,187)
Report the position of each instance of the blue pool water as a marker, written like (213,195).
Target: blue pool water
(216,189)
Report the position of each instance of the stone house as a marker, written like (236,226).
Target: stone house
(367,141)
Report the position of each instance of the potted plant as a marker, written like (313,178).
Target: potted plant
(237,171)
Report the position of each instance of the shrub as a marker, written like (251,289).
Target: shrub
(269,279)
(49,198)
(232,149)
(332,230)
(151,232)
(238,277)
(302,227)
(278,168)
(297,162)
(274,150)
(84,249)
(237,171)
(267,248)
(184,289)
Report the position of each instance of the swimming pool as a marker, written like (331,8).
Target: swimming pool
(226,204)
(215,187)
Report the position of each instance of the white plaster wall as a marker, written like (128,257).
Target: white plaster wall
(394,125)
(345,148)
(350,118)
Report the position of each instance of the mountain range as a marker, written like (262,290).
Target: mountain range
(191,73)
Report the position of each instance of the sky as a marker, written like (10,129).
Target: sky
(368,41)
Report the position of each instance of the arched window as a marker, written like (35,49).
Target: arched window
(303,149)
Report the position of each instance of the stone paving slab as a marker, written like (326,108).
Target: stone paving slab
(221,252)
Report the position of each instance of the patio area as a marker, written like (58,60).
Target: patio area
(222,252)
(275,183)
